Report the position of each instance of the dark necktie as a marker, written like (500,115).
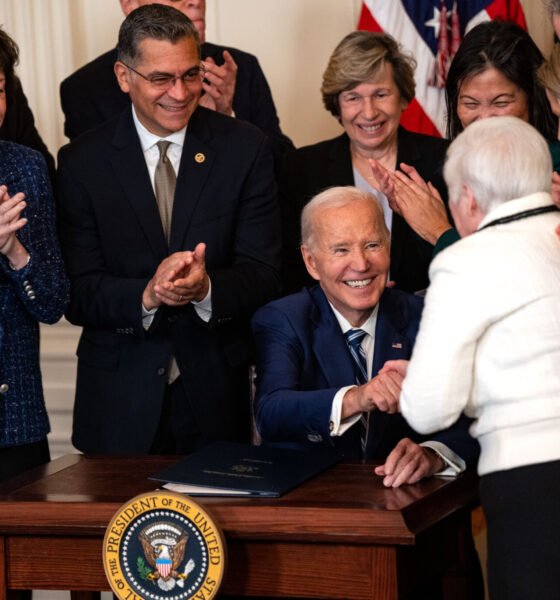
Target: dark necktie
(164,183)
(354,339)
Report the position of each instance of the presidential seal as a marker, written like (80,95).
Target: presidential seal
(163,546)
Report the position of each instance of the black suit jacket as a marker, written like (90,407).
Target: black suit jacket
(91,95)
(312,169)
(19,125)
(112,240)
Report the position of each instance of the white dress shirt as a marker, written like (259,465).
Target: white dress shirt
(454,463)
(148,142)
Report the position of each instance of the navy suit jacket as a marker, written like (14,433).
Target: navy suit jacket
(91,95)
(36,293)
(113,242)
(309,170)
(303,360)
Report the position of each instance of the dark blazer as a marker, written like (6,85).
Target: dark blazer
(36,293)
(91,95)
(312,169)
(303,360)
(113,241)
(19,125)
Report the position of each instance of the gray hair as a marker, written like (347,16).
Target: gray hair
(553,6)
(499,159)
(156,22)
(335,197)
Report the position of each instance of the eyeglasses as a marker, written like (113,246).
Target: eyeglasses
(164,81)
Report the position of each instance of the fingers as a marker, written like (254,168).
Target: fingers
(383,392)
(400,366)
(219,84)
(434,192)
(414,175)
(408,463)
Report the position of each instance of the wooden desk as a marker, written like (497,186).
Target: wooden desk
(341,535)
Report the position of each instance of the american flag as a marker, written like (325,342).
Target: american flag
(419,26)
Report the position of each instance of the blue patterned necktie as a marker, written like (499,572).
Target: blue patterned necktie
(354,339)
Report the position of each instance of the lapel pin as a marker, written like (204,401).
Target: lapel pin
(396,345)
(199,157)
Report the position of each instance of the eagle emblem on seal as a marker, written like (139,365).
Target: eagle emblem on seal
(164,547)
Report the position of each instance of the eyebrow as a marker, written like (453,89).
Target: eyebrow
(504,94)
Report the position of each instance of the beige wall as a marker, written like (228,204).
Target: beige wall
(292,38)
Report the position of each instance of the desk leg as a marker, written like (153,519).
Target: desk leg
(3,570)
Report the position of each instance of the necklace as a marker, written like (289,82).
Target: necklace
(533,212)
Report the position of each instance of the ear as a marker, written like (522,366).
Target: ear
(309,261)
(123,76)
(471,203)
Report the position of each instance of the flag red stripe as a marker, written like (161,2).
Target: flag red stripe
(510,10)
(414,117)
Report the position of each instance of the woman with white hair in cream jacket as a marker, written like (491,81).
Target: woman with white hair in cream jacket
(489,345)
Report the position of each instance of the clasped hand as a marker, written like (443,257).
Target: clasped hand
(417,201)
(180,278)
(11,221)
(381,392)
(219,84)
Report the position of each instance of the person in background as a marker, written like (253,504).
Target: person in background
(234,84)
(492,74)
(366,86)
(489,345)
(169,225)
(33,289)
(18,124)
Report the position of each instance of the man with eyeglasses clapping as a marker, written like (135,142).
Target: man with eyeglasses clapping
(169,228)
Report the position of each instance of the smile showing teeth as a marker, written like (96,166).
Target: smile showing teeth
(358,283)
(370,128)
(172,108)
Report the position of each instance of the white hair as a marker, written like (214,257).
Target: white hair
(335,197)
(499,159)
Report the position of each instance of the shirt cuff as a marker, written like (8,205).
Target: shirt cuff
(454,463)
(337,427)
(204,307)
(148,316)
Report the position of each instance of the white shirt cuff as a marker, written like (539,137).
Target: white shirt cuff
(148,316)
(335,425)
(204,307)
(455,464)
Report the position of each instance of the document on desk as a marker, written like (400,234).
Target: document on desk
(232,469)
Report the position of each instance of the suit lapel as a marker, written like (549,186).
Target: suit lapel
(408,153)
(390,344)
(130,170)
(329,345)
(339,169)
(197,159)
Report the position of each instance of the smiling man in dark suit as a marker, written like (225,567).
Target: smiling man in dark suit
(165,275)
(309,390)
(234,84)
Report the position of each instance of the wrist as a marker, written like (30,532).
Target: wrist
(149,300)
(17,256)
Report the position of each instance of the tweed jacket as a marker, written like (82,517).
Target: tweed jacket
(37,293)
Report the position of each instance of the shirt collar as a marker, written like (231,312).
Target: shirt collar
(148,139)
(368,326)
